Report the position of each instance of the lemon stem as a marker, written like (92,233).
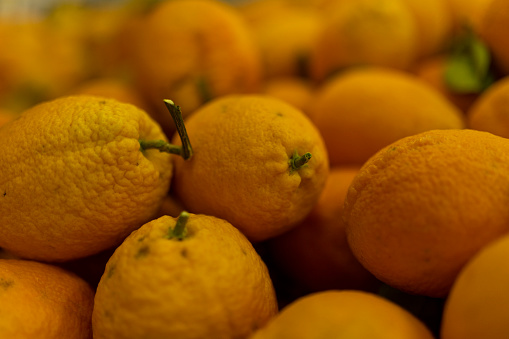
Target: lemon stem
(176,114)
(178,231)
(297,161)
(161,145)
(185,151)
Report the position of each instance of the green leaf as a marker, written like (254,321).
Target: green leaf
(480,57)
(468,68)
(461,75)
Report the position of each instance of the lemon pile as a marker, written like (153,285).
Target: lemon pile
(254,169)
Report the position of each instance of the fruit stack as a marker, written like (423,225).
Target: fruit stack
(255,169)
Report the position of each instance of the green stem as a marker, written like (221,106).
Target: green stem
(185,151)
(176,114)
(178,231)
(297,161)
(161,145)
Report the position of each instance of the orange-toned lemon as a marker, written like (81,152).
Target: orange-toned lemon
(364,32)
(96,29)
(296,91)
(75,180)
(192,51)
(256,12)
(285,41)
(360,111)
(434,24)
(43,301)
(346,314)
(494,30)
(258,162)
(113,88)
(468,13)
(37,63)
(490,111)
(191,277)
(476,306)
(423,206)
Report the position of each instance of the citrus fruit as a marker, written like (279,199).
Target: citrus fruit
(96,29)
(476,306)
(296,91)
(75,180)
(258,163)
(285,44)
(434,24)
(192,51)
(345,314)
(468,13)
(37,63)
(423,206)
(362,110)
(315,253)
(257,12)
(490,112)
(195,276)
(43,301)
(113,88)
(364,32)
(494,29)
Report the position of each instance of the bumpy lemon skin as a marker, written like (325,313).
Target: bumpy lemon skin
(74,180)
